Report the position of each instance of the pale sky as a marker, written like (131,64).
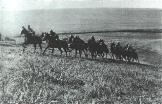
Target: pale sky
(55,4)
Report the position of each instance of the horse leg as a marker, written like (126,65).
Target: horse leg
(45,49)
(132,59)
(40,46)
(120,57)
(106,55)
(60,51)
(112,56)
(95,54)
(52,50)
(80,53)
(35,45)
(65,49)
(129,59)
(65,52)
(75,52)
(92,55)
(69,52)
(138,60)
(85,53)
(102,55)
(24,46)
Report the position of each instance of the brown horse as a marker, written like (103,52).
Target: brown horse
(128,54)
(102,48)
(77,44)
(92,47)
(131,55)
(31,39)
(54,42)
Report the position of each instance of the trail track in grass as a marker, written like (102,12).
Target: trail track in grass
(35,78)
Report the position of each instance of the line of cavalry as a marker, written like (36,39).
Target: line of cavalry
(94,47)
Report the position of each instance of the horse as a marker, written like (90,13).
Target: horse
(102,48)
(31,39)
(116,51)
(78,44)
(92,47)
(132,55)
(55,43)
(113,50)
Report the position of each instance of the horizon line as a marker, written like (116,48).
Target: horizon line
(84,8)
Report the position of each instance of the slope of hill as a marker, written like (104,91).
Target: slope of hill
(35,78)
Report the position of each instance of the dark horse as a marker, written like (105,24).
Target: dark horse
(54,42)
(131,55)
(31,39)
(78,45)
(93,47)
(97,48)
(102,48)
(124,53)
(116,51)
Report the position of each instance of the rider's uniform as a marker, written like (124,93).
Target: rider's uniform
(31,31)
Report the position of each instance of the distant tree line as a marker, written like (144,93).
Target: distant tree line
(2,38)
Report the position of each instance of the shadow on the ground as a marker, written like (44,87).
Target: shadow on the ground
(104,60)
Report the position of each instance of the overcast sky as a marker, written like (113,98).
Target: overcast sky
(54,4)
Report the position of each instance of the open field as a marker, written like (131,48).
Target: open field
(53,79)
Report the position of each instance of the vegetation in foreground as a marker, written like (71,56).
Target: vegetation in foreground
(32,78)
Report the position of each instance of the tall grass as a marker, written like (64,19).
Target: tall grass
(36,79)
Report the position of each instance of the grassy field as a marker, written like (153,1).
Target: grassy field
(33,78)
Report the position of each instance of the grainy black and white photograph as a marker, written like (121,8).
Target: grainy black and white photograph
(80,51)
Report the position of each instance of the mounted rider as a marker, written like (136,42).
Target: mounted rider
(101,42)
(26,35)
(112,45)
(91,40)
(131,49)
(76,39)
(118,47)
(31,31)
(71,39)
(119,50)
(126,47)
(54,35)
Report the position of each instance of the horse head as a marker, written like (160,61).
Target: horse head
(24,31)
